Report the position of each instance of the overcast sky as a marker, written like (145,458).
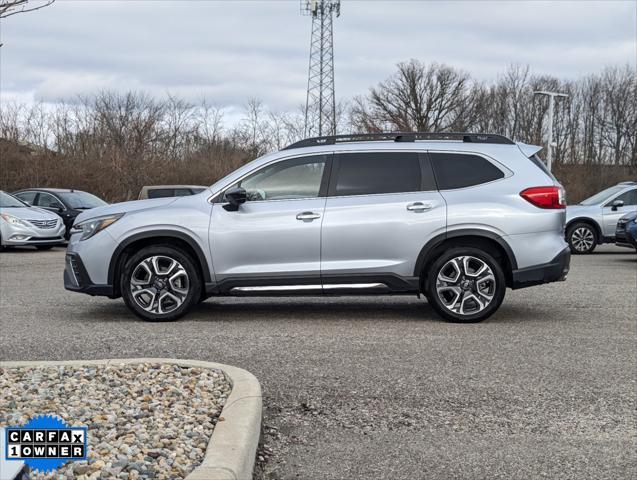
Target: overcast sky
(230,50)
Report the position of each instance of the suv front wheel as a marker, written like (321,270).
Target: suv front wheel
(160,283)
(465,284)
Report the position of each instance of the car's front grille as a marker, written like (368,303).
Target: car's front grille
(43,223)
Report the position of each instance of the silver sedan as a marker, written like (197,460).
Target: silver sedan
(21,224)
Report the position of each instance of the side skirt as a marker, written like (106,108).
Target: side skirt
(313,285)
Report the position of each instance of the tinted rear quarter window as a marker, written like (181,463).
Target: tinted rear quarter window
(455,170)
(161,193)
(377,173)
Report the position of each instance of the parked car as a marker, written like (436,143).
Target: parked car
(21,224)
(626,232)
(593,221)
(67,203)
(163,191)
(457,217)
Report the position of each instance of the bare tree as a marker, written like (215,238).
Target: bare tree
(417,97)
(13,7)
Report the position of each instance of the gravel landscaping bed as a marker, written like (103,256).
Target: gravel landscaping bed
(144,420)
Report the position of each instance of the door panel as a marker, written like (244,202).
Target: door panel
(266,238)
(381,210)
(277,232)
(379,233)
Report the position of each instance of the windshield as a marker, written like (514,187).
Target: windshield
(602,196)
(81,200)
(9,201)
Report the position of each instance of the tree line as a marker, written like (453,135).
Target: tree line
(113,143)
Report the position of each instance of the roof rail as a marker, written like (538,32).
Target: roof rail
(402,137)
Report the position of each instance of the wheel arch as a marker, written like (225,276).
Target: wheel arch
(138,241)
(484,239)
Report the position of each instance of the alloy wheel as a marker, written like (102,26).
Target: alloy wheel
(582,239)
(465,285)
(159,284)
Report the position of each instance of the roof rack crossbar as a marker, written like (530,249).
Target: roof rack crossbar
(402,137)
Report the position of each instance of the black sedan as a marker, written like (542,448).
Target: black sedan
(67,203)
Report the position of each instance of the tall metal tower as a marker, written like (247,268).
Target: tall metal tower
(320,106)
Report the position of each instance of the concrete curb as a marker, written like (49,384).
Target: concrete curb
(231,452)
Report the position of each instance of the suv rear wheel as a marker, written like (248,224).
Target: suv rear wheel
(465,284)
(581,237)
(160,283)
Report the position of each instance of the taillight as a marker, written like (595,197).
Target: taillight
(545,197)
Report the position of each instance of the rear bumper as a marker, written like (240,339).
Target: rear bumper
(554,271)
(77,279)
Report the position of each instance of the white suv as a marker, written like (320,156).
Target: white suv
(456,217)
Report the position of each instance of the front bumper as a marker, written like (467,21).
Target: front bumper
(625,237)
(554,271)
(19,235)
(77,279)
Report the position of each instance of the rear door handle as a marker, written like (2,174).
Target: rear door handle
(307,216)
(419,206)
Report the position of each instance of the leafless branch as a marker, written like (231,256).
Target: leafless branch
(13,7)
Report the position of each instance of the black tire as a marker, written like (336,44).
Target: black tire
(582,238)
(191,283)
(480,304)
(44,247)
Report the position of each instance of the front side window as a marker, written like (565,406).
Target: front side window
(377,173)
(457,170)
(28,197)
(286,180)
(629,198)
(46,200)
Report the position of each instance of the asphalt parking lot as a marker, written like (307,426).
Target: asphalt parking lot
(379,387)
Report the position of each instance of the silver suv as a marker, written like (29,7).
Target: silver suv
(456,217)
(594,220)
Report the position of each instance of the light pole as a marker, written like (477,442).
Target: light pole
(551,95)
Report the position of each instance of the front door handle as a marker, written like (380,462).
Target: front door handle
(307,216)
(419,206)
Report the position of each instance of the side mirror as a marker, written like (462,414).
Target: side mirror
(616,204)
(235,196)
(60,209)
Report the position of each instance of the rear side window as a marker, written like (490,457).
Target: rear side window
(376,172)
(455,170)
(161,192)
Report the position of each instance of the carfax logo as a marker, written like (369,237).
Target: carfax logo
(46,443)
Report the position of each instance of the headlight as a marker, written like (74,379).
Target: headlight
(95,225)
(13,220)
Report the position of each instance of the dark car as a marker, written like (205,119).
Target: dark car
(67,203)
(626,232)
